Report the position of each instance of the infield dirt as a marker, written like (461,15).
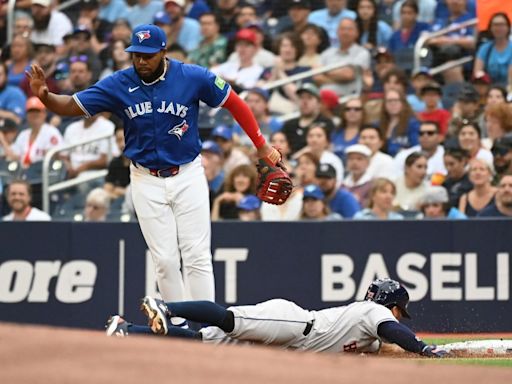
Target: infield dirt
(33,354)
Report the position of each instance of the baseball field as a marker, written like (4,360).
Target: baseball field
(36,354)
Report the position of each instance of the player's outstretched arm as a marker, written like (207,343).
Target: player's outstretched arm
(244,116)
(60,104)
(399,334)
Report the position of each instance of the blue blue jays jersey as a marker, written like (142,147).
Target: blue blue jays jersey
(160,120)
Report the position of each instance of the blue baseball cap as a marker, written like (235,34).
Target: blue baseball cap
(313,191)
(147,38)
(260,91)
(211,146)
(161,17)
(249,203)
(222,131)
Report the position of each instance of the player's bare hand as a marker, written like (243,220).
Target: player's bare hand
(37,81)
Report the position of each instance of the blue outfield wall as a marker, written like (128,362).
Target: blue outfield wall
(76,274)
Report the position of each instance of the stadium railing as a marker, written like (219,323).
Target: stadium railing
(80,179)
(420,50)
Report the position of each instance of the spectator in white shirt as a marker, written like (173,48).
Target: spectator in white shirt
(19,197)
(381,164)
(358,181)
(318,143)
(243,73)
(33,143)
(50,25)
(93,155)
(411,186)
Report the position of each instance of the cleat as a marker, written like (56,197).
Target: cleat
(117,326)
(156,312)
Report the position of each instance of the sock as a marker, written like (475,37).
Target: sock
(140,329)
(204,312)
(172,332)
(184,333)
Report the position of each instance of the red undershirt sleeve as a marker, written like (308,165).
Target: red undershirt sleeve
(244,116)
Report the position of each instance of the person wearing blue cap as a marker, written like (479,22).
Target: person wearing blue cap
(314,205)
(158,101)
(212,160)
(249,208)
(233,156)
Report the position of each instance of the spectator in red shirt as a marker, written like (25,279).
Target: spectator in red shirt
(431,95)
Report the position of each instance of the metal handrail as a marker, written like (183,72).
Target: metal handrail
(47,189)
(10,20)
(67,4)
(450,64)
(305,75)
(430,35)
(311,72)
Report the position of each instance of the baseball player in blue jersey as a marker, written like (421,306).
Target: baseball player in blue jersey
(158,101)
(358,327)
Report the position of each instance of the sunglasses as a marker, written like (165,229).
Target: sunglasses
(499,151)
(428,133)
(79,58)
(355,109)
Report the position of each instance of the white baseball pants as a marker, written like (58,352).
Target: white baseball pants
(277,321)
(174,216)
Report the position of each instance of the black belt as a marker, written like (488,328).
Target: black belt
(165,172)
(308,328)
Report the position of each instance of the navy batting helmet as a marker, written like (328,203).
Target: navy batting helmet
(389,293)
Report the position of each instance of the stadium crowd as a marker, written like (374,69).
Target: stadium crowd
(377,138)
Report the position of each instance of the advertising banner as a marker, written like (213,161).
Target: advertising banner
(77,274)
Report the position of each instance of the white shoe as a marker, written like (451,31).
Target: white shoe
(117,326)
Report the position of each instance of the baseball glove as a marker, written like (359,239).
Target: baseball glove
(274,184)
(433,351)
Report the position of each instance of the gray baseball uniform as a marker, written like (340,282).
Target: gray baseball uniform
(350,328)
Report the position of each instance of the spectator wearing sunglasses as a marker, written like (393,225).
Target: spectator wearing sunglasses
(502,153)
(80,73)
(347,133)
(430,146)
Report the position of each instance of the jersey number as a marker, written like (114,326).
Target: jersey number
(350,347)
